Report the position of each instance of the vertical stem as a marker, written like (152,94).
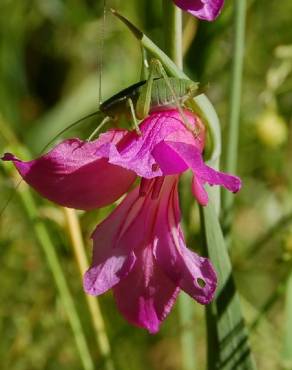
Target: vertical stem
(235,100)
(43,238)
(187,337)
(212,336)
(173,32)
(172,16)
(94,309)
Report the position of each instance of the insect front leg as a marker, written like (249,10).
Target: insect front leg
(133,114)
(99,127)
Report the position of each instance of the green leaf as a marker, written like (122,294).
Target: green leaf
(226,327)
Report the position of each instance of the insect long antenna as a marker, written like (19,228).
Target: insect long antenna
(68,128)
(101,47)
(10,198)
(99,127)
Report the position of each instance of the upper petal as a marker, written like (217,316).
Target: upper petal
(139,152)
(168,160)
(72,175)
(146,295)
(194,274)
(193,158)
(203,9)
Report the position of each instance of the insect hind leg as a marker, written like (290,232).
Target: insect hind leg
(157,65)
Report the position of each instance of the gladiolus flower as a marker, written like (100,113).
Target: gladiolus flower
(138,250)
(207,10)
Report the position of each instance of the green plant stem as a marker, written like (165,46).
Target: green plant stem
(172,16)
(187,335)
(235,101)
(75,235)
(173,32)
(43,237)
(228,343)
(44,240)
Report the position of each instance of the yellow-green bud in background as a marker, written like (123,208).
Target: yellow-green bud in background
(271,129)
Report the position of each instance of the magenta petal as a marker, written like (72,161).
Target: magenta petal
(203,9)
(194,274)
(114,241)
(146,295)
(137,152)
(109,272)
(72,175)
(193,158)
(168,160)
(199,192)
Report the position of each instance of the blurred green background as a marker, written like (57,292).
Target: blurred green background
(49,77)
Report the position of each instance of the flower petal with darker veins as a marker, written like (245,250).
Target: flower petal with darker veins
(146,296)
(72,175)
(192,273)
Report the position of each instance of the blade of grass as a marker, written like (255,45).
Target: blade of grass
(187,334)
(172,22)
(75,235)
(235,100)
(232,350)
(43,237)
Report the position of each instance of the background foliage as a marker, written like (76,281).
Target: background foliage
(49,52)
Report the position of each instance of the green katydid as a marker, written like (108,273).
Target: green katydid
(139,100)
(200,104)
(144,97)
(152,94)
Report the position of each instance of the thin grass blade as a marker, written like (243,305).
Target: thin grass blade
(232,349)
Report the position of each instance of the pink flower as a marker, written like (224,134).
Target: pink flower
(203,9)
(139,250)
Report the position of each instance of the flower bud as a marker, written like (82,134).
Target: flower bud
(271,129)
